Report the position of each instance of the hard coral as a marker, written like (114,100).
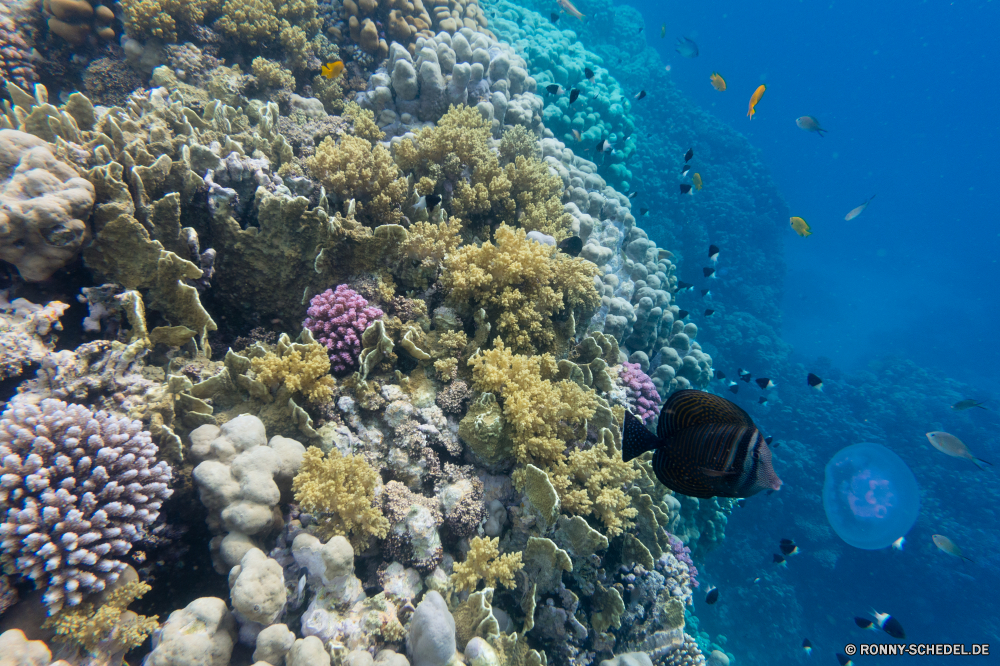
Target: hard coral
(25,333)
(163,19)
(522,285)
(353,169)
(340,492)
(337,318)
(485,563)
(302,368)
(640,391)
(111,623)
(17,63)
(77,490)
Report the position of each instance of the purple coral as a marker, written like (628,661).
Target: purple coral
(640,391)
(683,553)
(337,318)
(77,490)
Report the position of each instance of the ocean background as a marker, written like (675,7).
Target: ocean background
(896,309)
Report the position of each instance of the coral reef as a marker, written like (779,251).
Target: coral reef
(26,333)
(485,564)
(337,318)
(79,489)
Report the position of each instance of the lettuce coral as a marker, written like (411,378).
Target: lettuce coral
(353,169)
(340,492)
(522,285)
(485,563)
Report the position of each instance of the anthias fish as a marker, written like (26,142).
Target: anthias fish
(814,382)
(705,446)
(718,82)
(332,70)
(952,446)
(757,94)
(687,47)
(857,211)
(571,245)
(810,124)
(712,596)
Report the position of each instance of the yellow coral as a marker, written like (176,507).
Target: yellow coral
(517,141)
(521,284)
(160,18)
(340,492)
(462,134)
(300,368)
(272,75)
(538,194)
(485,563)
(353,169)
(250,22)
(363,123)
(446,368)
(425,248)
(544,413)
(89,628)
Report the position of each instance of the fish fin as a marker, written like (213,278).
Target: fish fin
(976,462)
(690,407)
(714,473)
(980,407)
(636,440)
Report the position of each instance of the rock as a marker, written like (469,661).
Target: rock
(273,643)
(200,634)
(308,651)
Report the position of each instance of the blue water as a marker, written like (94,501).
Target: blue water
(900,302)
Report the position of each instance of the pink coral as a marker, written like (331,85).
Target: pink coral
(683,554)
(639,390)
(337,318)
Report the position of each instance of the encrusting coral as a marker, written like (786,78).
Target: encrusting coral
(523,285)
(484,563)
(340,491)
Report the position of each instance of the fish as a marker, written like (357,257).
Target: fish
(684,286)
(681,314)
(768,440)
(709,272)
(332,70)
(576,135)
(696,179)
(589,73)
(689,154)
(639,31)
(810,124)
(685,188)
(952,446)
(705,293)
(687,47)
(685,169)
(844,660)
(643,212)
(568,8)
(639,95)
(705,446)
(571,245)
(779,560)
(946,545)
(603,145)
(573,95)
(814,382)
(554,17)
(765,383)
(742,503)
(757,94)
(633,194)
(744,374)
(761,400)
(788,547)
(663,31)
(712,596)
(889,625)
(857,211)
(428,203)
(865,623)
(800,226)
(709,313)
(713,252)
(963,405)
(718,82)
(807,646)
(898,543)
(719,374)
(554,89)
(734,388)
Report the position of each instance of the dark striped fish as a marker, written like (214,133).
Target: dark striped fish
(706,446)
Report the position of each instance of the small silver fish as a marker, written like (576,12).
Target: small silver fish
(857,211)
(810,124)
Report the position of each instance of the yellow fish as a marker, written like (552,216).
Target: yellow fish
(696,179)
(757,94)
(332,70)
(801,226)
(948,546)
(718,82)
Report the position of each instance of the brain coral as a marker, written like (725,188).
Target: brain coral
(77,490)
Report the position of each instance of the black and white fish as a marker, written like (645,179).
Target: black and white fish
(815,382)
(571,245)
(765,383)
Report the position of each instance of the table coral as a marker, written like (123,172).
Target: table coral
(484,563)
(523,285)
(340,492)
(78,489)
(337,318)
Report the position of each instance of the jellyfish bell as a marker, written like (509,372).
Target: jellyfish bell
(870,496)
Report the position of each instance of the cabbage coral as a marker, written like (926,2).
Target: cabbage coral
(353,169)
(522,285)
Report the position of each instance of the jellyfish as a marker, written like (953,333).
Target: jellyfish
(870,496)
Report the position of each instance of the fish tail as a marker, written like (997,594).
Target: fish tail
(976,461)
(636,440)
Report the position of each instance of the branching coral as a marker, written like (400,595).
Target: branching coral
(163,19)
(426,247)
(272,75)
(111,622)
(522,285)
(460,137)
(543,412)
(302,368)
(353,169)
(337,319)
(340,492)
(485,563)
